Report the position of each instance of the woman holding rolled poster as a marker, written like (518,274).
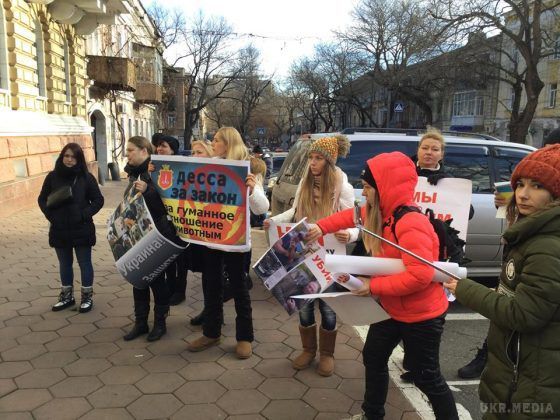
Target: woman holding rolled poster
(417,305)
(228,144)
(138,152)
(521,375)
(323,190)
(176,273)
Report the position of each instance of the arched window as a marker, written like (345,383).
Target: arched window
(40,49)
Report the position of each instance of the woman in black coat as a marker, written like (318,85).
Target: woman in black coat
(71,222)
(138,151)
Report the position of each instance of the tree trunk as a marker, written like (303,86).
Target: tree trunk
(519,122)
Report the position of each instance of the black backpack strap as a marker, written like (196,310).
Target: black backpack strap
(439,228)
(398,214)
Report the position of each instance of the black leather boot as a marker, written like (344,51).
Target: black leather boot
(199,319)
(140,327)
(160,313)
(475,367)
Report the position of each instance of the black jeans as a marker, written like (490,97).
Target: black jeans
(421,342)
(176,275)
(159,289)
(212,287)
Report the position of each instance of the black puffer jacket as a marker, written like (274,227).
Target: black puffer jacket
(71,224)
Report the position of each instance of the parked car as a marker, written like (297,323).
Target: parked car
(277,162)
(482,160)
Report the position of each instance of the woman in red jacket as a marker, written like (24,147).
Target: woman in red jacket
(417,305)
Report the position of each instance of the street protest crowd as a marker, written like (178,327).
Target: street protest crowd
(522,351)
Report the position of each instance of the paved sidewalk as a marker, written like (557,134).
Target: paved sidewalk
(66,365)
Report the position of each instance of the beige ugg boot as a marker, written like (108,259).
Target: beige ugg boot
(309,342)
(327,342)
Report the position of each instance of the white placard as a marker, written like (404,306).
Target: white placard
(449,199)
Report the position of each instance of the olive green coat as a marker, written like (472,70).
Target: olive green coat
(524,315)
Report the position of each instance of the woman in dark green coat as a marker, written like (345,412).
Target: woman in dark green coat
(522,377)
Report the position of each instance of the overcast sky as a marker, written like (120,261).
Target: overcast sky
(292,27)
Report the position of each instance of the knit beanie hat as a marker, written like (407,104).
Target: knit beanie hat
(367,176)
(331,147)
(542,165)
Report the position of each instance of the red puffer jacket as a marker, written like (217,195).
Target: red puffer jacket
(410,296)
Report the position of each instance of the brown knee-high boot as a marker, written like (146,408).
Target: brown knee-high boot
(309,342)
(327,342)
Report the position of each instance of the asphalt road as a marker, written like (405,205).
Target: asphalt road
(464,332)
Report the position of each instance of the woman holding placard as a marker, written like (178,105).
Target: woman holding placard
(323,190)
(138,153)
(521,375)
(417,305)
(228,144)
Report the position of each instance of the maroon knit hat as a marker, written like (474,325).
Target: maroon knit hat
(542,165)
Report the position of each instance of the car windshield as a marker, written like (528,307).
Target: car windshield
(361,151)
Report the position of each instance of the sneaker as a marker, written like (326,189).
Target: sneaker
(244,350)
(202,343)
(474,369)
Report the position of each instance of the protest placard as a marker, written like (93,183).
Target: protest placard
(329,242)
(141,253)
(293,267)
(206,198)
(449,199)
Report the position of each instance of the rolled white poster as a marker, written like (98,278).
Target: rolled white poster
(347,280)
(374,266)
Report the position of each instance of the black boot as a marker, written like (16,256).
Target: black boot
(407,376)
(476,366)
(141,310)
(65,299)
(199,319)
(176,298)
(160,313)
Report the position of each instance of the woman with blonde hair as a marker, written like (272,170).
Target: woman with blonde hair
(323,190)
(228,144)
(416,305)
(201,148)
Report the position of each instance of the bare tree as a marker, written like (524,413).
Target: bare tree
(168,22)
(397,35)
(527,29)
(250,86)
(207,59)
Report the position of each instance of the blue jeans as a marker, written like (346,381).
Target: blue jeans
(66,259)
(307,315)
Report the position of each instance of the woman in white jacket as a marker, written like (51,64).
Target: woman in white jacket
(323,190)
(227,144)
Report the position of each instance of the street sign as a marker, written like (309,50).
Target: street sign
(399,106)
(261,131)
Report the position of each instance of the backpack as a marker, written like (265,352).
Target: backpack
(451,247)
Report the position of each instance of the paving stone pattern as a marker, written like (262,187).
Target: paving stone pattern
(67,365)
